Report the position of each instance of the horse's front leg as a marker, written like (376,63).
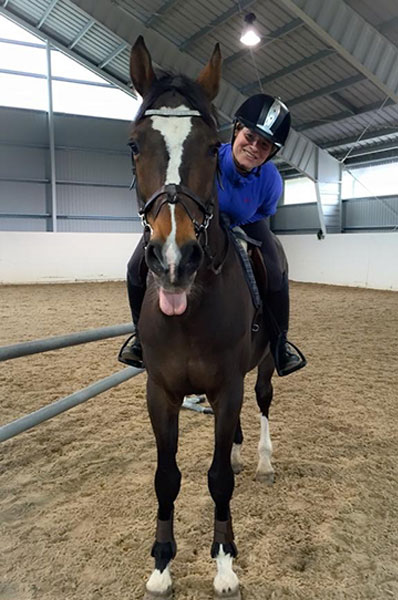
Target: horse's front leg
(163,411)
(226,406)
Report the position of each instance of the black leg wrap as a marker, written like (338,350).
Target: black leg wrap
(163,553)
(223,534)
(227,548)
(165,548)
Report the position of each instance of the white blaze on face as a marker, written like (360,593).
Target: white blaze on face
(174,131)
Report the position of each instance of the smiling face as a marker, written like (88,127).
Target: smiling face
(250,150)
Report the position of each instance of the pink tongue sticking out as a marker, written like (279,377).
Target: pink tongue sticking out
(172,304)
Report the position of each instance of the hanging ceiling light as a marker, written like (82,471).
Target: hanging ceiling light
(250,36)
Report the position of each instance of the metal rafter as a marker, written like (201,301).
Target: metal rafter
(327,90)
(272,37)
(367,137)
(220,20)
(344,102)
(66,50)
(343,115)
(354,39)
(168,5)
(81,33)
(309,60)
(46,13)
(113,54)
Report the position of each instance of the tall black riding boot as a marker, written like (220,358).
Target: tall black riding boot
(287,357)
(131,351)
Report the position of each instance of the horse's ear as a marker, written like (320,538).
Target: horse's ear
(210,75)
(141,71)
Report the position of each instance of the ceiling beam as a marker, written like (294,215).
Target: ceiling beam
(113,54)
(301,64)
(162,10)
(66,50)
(325,91)
(81,33)
(220,20)
(46,13)
(367,137)
(344,102)
(388,26)
(343,115)
(272,37)
(354,39)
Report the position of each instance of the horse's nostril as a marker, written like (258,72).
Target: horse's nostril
(154,258)
(191,257)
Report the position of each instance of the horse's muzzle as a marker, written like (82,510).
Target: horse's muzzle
(174,269)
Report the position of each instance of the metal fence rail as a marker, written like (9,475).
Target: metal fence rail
(62,341)
(59,406)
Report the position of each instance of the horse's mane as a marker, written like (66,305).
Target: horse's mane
(185,86)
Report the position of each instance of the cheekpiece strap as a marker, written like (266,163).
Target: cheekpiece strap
(223,533)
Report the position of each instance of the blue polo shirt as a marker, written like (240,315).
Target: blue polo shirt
(247,198)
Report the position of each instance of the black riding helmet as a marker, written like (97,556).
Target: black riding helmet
(267,116)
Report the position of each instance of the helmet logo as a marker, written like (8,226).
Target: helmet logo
(270,117)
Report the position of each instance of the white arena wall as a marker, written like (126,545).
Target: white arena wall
(360,260)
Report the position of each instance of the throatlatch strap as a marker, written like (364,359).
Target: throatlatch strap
(223,533)
(164,531)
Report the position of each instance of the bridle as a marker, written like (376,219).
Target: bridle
(172,192)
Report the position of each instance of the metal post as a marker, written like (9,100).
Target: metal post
(53,180)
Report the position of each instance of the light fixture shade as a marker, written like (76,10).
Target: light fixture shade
(250,36)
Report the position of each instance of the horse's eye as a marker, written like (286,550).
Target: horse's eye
(134,147)
(213,150)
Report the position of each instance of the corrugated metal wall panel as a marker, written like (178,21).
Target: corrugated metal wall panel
(95,201)
(23,163)
(20,198)
(104,162)
(370,213)
(23,198)
(22,126)
(84,225)
(93,167)
(296,217)
(23,224)
(91,132)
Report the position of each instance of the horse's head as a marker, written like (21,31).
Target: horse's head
(174,142)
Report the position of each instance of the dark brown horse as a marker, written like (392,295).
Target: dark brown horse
(199,330)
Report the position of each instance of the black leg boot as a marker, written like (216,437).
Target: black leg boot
(287,357)
(131,351)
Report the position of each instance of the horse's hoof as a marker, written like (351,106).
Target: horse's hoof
(230,595)
(167,595)
(267,478)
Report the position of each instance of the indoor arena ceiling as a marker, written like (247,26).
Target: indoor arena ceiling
(334,62)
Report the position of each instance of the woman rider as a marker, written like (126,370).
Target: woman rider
(249,192)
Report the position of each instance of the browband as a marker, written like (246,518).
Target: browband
(171,112)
